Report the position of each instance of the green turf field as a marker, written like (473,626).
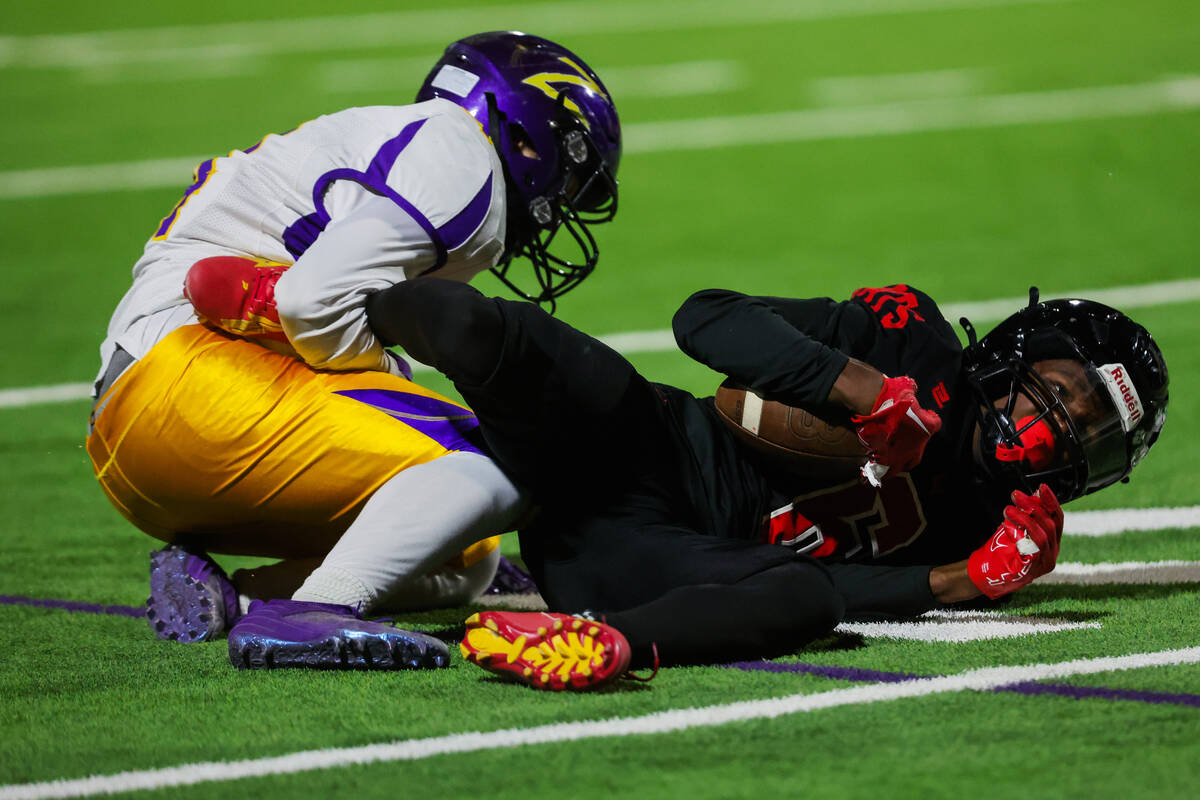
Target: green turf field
(803,147)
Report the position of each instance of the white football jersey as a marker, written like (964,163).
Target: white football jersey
(356,201)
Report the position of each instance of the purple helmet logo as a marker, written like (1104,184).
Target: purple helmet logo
(556,131)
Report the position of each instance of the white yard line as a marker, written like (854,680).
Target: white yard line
(964,626)
(157,173)
(918,116)
(43,395)
(1122,520)
(861,89)
(1137,296)
(662,722)
(653,80)
(887,119)
(661,341)
(1124,572)
(435,27)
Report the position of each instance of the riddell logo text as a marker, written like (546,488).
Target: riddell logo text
(1131,400)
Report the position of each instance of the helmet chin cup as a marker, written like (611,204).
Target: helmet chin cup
(1034,444)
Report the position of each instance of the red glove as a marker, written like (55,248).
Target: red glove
(237,295)
(897,429)
(1023,548)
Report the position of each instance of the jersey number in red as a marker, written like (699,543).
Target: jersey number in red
(895,305)
(856,515)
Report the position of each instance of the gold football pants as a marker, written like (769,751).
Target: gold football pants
(216,442)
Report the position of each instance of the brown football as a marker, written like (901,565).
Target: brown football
(794,438)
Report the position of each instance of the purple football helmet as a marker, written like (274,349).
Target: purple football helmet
(556,131)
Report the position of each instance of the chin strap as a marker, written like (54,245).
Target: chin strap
(972,339)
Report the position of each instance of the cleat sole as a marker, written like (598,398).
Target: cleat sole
(335,652)
(181,608)
(576,656)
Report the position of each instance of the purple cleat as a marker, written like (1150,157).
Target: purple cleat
(191,598)
(293,633)
(511,579)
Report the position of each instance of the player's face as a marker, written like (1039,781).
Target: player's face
(1068,381)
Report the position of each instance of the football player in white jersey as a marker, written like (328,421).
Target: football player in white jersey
(243,404)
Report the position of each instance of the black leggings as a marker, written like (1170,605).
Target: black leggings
(572,421)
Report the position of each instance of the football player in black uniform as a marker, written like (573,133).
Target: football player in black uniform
(654,520)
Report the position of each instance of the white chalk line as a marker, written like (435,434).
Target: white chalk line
(886,119)
(949,625)
(651,80)
(918,116)
(964,626)
(1108,523)
(663,722)
(862,89)
(350,75)
(1123,572)
(435,28)
(663,341)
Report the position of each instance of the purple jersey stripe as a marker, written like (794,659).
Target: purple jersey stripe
(455,232)
(203,172)
(451,426)
(377,171)
(376,177)
(300,235)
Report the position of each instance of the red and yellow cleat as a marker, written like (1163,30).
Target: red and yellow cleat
(546,651)
(237,295)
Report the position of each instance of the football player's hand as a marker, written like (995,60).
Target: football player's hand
(1023,548)
(897,429)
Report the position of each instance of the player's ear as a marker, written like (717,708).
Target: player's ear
(522,141)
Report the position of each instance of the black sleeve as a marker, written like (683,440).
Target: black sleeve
(790,350)
(873,591)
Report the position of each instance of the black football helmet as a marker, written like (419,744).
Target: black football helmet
(1070,393)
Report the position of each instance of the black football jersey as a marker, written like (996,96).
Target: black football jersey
(792,350)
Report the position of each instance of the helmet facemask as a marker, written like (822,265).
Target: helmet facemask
(1012,402)
(1047,415)
(556,132)
(584,193)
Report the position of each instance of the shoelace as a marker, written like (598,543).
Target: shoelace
(653,674)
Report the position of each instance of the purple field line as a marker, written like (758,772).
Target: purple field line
(1026,688)
(137,612)
(1085,692)
(834,672)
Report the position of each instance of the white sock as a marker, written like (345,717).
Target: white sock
(411,526)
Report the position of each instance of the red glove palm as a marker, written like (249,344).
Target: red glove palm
(1023,548)
(897,429)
